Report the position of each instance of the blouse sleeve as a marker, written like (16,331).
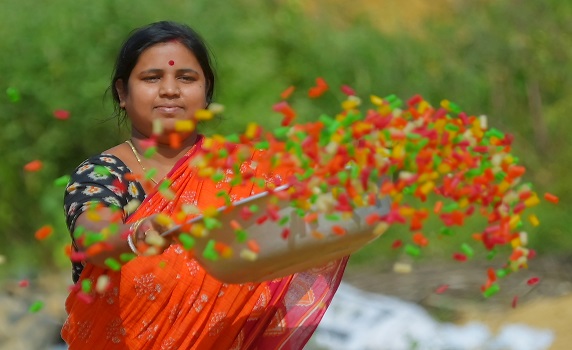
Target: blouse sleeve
(100,180)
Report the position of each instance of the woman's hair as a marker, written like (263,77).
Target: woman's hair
(155,33)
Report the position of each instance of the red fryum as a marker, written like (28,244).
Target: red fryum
(35,165)
(318,90)
(61,114)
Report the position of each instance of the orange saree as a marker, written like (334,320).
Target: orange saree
(168,301)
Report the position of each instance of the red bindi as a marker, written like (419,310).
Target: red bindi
(171,62)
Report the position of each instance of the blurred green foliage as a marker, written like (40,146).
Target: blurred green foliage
(507,59)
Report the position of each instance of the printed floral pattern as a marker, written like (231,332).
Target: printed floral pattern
(98,180)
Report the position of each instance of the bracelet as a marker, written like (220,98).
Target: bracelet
(132,245)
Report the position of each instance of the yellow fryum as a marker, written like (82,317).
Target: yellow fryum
(376,100)
(446,104)
(216,108)
(352,102)
(167,193)
(154,239)
(164,220)
(157,127)
(514,222)
(251,130)
(533,220)
(403,268)
(210,212)
(102,284)
(199,230)
(464,202)
(427,187)
(532,201)
(248,254)
(204,114)
(184,126)
(131,206)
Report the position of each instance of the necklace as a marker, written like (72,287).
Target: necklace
(139,160)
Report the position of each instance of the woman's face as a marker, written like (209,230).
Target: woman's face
(167,83)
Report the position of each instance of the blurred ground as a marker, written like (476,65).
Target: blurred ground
(546,305)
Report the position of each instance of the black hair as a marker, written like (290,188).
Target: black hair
(144,37)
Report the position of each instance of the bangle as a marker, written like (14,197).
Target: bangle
(132,245)
(135,226)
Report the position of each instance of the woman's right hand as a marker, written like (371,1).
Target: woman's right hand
(147,234)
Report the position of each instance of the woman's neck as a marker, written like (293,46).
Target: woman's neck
(165,155)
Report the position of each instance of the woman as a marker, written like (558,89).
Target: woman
(163,299)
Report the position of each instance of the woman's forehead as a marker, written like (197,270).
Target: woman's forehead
(169,53)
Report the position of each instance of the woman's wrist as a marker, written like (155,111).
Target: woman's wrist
(133,236)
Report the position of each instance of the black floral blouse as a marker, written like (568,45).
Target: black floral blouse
(99,180)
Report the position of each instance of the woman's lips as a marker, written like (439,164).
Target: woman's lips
(169,109)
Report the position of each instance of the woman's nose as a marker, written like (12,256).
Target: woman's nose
(169,87)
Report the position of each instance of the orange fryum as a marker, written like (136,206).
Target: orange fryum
(318,90)
(221,247)
(96,248)
(438,207)
(175,140)
(44,232)
(372,218)
(68,250)
(317,234)
(551,198)
(235,225)
(286,110)
(442,289)
(286,93)
(311,217)
(338,230)
(420,239)
(515,171)
(492,274)
(131,177)
(253,245)
(35,165)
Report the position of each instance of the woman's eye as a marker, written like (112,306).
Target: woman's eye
(187,78)
(150,78)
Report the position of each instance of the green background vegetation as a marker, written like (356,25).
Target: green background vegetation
(507,59)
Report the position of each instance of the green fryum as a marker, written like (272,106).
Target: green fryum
(36,306)
(467,250)
(283,220)
(101,170)
(187,241)
(62,181)
(86,286)
(211,223)
(13,94)
(209,252)
(151,174)
(165,184)
(150,151)
(233,138)
(492,290)
(412,250)
(241,235)
(281,132)
(218,176)
(262,145)
(125,257)
(112,264)
(447,231)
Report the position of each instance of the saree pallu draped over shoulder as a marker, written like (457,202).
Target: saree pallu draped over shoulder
(168,301)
